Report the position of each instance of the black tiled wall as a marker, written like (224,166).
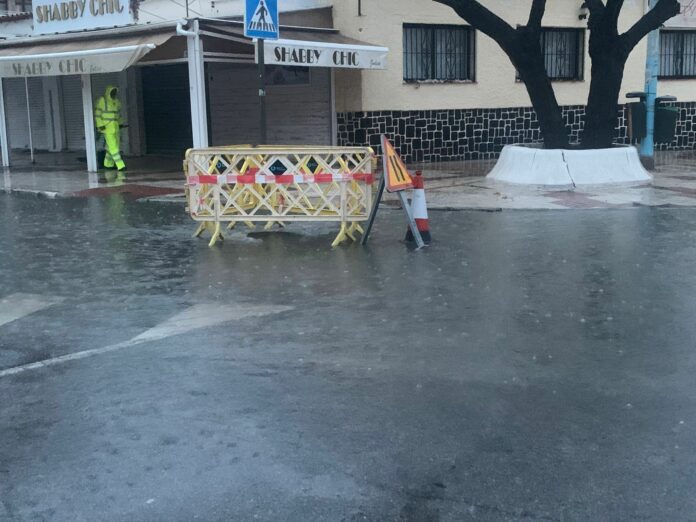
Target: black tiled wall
(465,134)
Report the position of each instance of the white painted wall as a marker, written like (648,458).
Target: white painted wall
(9,29)
(160,10)
(165,10)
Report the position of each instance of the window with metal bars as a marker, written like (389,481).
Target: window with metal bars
(677,54)
(23,6)
(438,53)
(564,53)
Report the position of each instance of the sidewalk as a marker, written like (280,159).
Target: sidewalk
(63,175)
(450,186)
(674,185)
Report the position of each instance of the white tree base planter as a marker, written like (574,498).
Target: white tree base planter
(529,166)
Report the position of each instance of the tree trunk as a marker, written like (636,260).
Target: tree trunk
(602,104)
(608,51)
(529,61)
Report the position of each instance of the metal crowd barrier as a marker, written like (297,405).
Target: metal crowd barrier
(279,184)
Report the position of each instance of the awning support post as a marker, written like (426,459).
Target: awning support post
(4,144)
(196,70)
(31,136)
(88,113)
(334,116)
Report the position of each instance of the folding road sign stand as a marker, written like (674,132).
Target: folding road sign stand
(395,179)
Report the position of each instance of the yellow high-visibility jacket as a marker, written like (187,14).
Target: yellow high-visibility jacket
(107,112)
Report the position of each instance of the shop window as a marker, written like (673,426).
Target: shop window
(438,53)
(564,53)
(678,54)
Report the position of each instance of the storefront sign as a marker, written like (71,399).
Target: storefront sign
(686,18)
(61,64)
(72,15)
(320,54)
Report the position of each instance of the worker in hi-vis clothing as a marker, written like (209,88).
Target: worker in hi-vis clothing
(107,116)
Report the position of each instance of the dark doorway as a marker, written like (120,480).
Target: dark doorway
(167,109)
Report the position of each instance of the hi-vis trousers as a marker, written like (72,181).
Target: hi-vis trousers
(113,151)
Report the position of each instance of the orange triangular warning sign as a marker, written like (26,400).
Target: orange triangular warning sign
(395,172)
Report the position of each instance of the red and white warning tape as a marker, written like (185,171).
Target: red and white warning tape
(283,179)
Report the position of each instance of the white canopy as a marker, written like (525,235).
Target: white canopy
(59,57)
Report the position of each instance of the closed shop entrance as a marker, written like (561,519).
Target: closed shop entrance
(167,109)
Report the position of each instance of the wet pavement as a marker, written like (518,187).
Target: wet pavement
(673,185)
(454,185)
(529,365)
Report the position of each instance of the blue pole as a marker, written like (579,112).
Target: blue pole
(652,69)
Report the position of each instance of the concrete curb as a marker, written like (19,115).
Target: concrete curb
(37,193)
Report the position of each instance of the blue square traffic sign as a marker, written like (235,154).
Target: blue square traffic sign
(261,19)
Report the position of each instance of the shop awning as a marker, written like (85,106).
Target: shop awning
(113,50)
(83,53)
(306,47)
(317,53)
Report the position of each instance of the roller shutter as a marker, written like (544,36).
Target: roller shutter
(71,88)
(298,113)
(16,113)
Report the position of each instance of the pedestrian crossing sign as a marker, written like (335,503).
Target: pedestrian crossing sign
(261,19)
(395,172)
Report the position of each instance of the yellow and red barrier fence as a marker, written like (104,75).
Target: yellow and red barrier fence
(279,184)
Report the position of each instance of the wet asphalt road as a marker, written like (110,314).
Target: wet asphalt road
(528,366)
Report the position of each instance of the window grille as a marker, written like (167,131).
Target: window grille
(564,53)
(677,54)
(23,6)
(438,52)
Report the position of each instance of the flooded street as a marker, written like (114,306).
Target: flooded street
(528,365)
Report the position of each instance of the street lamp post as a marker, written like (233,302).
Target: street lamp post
(652,69)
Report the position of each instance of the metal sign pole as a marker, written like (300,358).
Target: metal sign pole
(262,91)
(261,22)
(31,138)
(652,70)
(373,212)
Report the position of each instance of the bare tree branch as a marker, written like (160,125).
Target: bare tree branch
(485,21)
(536,14)
(613,11)
(615,5)
(653,19)
(596,7)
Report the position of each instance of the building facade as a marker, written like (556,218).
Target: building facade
(446,91)
(451,93)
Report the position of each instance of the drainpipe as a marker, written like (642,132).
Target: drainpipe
(652,70)
(182,32)
(31,137)
(4,142)
(88,120)
(196,74)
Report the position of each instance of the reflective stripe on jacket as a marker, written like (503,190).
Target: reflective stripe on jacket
(107,111)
